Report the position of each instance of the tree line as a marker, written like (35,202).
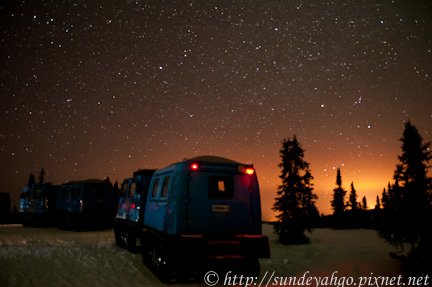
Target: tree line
(402,215)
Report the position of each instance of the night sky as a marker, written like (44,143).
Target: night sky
(92,89)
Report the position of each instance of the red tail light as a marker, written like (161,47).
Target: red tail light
(194,166)
(133,205)
(246,170)
(250,171)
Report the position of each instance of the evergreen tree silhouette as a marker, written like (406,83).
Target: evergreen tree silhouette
(377,204)
(352,203)
(31,181)
(407,204)
(338,202)
(364,203)
(385,199)
(295,202)
(108,182)
(41,176)
(116,188)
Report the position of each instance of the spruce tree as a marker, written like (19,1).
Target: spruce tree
(295,201)
(377,203)
(41,176)
(116,188)
(384,199)
(408,206)
(338,202)
(364,203)
(31,181)
(352,203)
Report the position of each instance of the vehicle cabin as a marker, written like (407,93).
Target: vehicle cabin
(5,207)
(130,211)
(86,203)
(37,205)
(204,210)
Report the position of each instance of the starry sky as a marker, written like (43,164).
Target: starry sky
(91,89)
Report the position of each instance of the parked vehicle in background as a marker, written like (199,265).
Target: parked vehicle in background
(130,212)
(5,207)
(203,213)
(37,205)
(86,204)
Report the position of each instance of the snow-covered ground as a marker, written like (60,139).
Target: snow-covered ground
(53,257)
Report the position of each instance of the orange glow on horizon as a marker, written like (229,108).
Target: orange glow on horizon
(369,181)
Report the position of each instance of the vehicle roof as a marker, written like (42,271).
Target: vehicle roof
(212,159)
(94,181)
(144,172)
(204,160)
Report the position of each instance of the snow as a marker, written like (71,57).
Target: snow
(358,252)
(53,257)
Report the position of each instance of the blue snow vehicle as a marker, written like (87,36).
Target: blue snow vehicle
(86,204)
(200,213)
(129,219)
(37,205)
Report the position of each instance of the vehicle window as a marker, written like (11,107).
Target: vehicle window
(155,187)
(75,192)
(38,193)
(145,185)
(165,186)
(64,192)
(98,190)
(132,189)
(220,187)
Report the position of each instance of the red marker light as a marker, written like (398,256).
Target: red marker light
(250,171)
(194,166)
